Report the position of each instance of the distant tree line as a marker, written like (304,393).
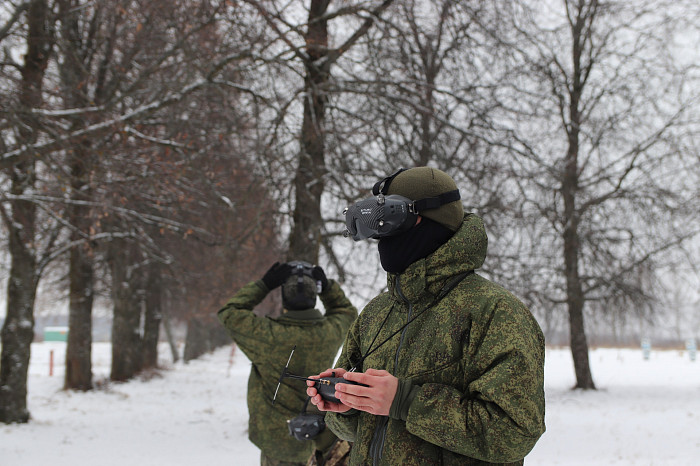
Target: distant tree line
(164,153)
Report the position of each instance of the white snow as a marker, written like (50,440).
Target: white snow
(645,412)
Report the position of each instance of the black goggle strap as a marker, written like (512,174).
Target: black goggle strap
(382,185)
(435,202)
(300,279)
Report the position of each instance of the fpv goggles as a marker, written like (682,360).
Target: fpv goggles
(301,268)
(388,215)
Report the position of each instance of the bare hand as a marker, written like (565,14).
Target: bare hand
(316,399)
(376,398)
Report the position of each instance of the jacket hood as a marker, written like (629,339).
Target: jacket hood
(463,252)
(310,315)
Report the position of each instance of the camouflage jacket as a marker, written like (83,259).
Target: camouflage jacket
(267,343)
(475,359)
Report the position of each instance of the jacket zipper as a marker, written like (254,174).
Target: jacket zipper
(376,447)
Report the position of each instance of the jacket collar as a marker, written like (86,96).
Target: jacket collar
(311,315)
(465,251)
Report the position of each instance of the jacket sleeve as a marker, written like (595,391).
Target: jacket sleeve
(345,425)
(244,327)
(340,313)
(501,416)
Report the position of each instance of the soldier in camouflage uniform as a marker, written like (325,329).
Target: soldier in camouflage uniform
(463,383)
(268,342)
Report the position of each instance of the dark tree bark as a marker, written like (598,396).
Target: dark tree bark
(18,329)
(575,299)
(79,346)
(204,334)
(304,241)
(73,72)
(170,337)
(309,183)
(596,151)
(126,335)
(152,317)
(197,340)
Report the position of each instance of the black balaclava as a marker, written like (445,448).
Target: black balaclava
(396,253)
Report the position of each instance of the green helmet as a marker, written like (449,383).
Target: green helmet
(300,289)
(424,182)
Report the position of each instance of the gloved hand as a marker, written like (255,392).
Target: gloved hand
(276,275)
(320,276)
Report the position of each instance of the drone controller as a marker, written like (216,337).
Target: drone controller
(326,387)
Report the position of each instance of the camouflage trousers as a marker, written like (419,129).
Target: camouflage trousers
(267,461)
(337,455)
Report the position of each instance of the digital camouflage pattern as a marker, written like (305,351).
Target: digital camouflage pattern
(476,361)
(267,343)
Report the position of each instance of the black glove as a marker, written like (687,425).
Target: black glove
(320,276)
(276,275)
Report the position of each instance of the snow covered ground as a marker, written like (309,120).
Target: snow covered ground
(646,412)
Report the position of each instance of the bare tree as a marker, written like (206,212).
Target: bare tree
(111,78)
(599,115)
(419,92)
(172,184)
(311,51)
(77,52)
(426,87)
(20,218)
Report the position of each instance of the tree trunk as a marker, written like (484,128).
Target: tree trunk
(572,246)
(18,330)
(73,73)
(152,317)
(575,304)
(427,111)
(81,275)
(169,333)
(79,346)
(305,237)
(126,334)
(574,288)
(197,341)
(204,335)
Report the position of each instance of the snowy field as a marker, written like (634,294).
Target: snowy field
(645,413)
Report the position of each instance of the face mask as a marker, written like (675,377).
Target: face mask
(396,253)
